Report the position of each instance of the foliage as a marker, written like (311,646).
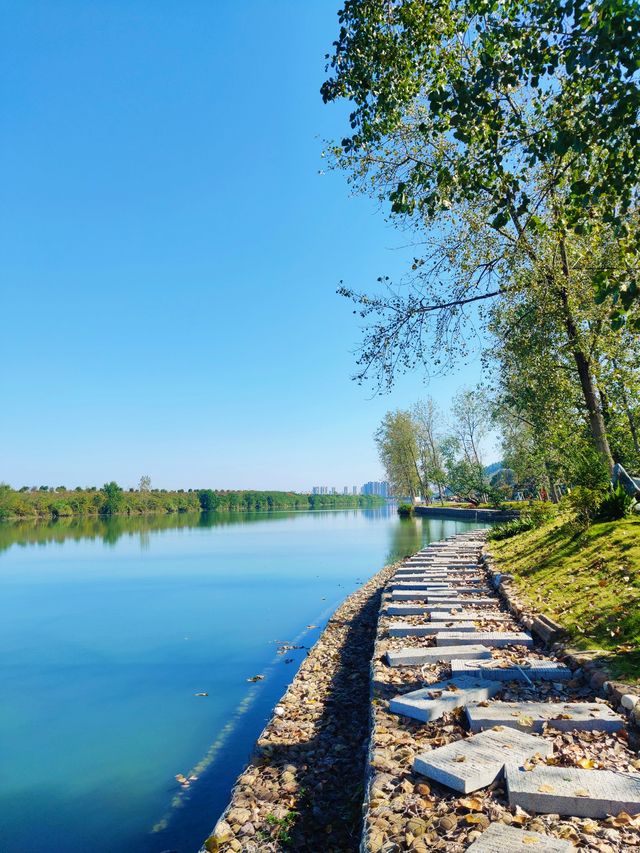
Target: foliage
(616,504)
(588,582)
(585,503)
(405,510)
(511,528)
(112,500)
(521,176)
(499,114)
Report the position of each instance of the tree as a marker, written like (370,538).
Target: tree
(467,120)
(425,419)
(145,483)
(114,498)
(399,454)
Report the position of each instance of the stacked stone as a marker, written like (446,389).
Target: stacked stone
(465,704)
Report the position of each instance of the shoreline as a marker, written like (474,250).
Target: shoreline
(319,731)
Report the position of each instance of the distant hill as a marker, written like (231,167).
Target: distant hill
(493,468)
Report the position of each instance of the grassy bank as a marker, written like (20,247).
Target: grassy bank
(589,582)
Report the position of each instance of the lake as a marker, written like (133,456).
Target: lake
(109,629)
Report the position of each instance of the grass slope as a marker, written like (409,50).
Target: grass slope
(588,582)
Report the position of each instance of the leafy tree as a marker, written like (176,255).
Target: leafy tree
(113,498)
(496,141)
(145,483)
(396,438)
(426,418)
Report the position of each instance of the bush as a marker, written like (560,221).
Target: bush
(616,504)
(585,504)
(539,512)
(405,510)
(511,528)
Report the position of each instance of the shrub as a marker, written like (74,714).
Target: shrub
(511,528)
(405,510)
(539,512)
(585,504)
(616,504)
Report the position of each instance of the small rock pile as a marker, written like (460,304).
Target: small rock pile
(303,789)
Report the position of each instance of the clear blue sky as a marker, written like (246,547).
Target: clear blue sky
(169,253)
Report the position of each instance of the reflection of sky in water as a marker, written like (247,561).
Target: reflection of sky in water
(108,630)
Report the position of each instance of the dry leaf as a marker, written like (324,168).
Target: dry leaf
(530,839)
(581,792)
(547,789)
(460,758)
(587,763)
(474,804)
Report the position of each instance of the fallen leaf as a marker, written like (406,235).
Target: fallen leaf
(474,804)
(546,789)
(581,792)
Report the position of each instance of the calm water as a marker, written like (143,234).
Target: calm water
(108,629)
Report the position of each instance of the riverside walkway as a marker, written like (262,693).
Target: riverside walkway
(481,740)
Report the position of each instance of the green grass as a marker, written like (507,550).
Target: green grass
(589,582)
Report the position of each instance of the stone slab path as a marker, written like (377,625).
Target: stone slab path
(571,791)
(458,742)
(534,716)
(430,703)
(476,761)
(499,838)
(487,638)
(411,656)
(529,669)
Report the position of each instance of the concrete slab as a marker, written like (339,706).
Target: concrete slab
(532,716)
(531,670)
(412,656)
(441,590)
(500,838)
(495,639)
(470,615)
(573,791)
(430,703)
(406,629)
(477,761)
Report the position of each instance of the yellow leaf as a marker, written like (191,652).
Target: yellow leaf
(460,758)
(546,789)
(474,804)
(581,792)
(530,839)
(587,763)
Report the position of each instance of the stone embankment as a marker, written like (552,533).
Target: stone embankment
(481,738)
(303,788)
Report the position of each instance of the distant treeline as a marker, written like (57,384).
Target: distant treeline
(111,499)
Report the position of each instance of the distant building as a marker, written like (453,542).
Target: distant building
(345,490)
(376,488)
(355,490)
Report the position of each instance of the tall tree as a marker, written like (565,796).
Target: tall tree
(427,422)
(465,118)
(399,454)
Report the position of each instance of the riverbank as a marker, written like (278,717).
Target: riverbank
(466,513)
(44,503)
(303,789)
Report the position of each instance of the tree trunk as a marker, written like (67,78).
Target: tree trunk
(587,384)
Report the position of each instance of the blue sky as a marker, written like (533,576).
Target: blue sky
(169,252)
